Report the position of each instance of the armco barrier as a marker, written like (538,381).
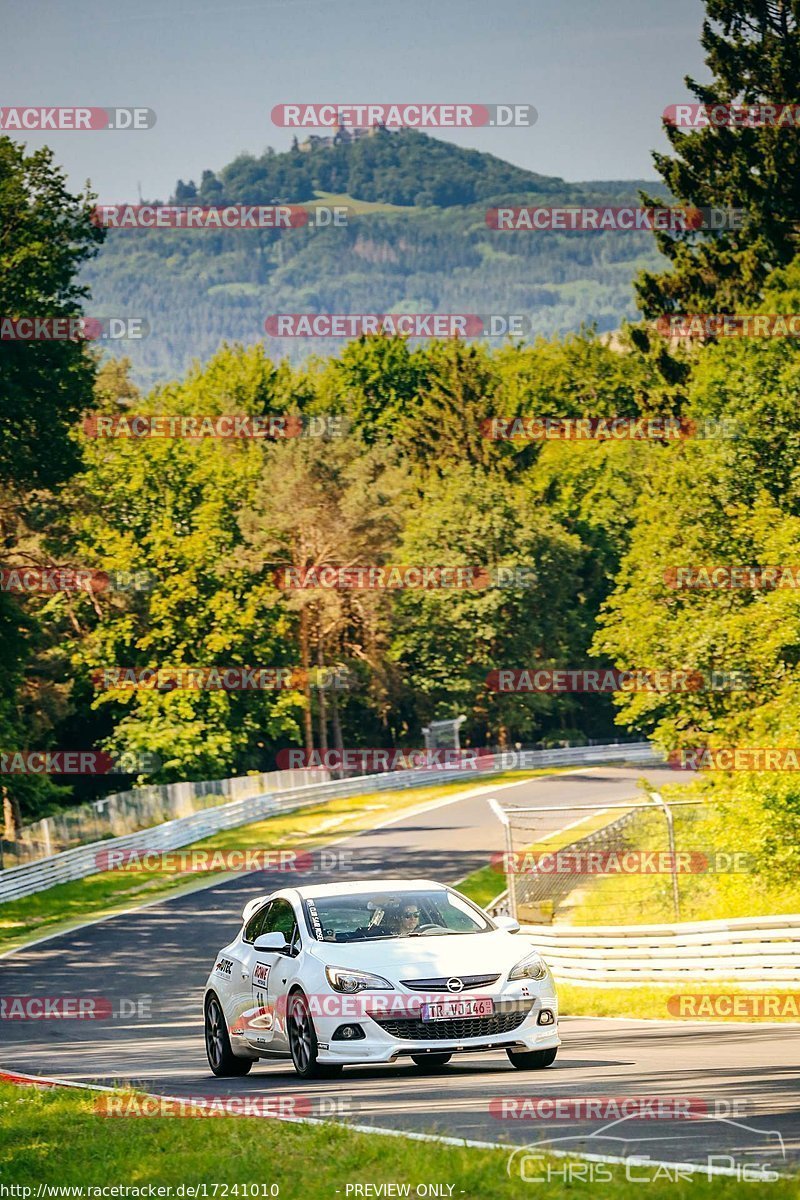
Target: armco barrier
(748,950)
(81,861)
(141,808)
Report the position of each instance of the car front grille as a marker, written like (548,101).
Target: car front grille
(440,984)
(413,1029)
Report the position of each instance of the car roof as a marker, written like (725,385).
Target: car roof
(366,885)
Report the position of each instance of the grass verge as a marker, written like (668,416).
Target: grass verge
(755,1006)
(310,828)
(722,882)
(305,1162)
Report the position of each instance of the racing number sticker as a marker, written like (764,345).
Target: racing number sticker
(260,979)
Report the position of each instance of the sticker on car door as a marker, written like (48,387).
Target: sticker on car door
(262,1017)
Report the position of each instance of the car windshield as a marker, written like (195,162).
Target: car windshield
(365,916)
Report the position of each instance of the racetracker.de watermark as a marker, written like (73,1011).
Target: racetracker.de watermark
(370,760)
(76,118)
(747,1006)
(73,329)
(378,1004)
(622,862)
(522,430)
(414,325)
(199,860)
(613,219)
(735,758)
(221,679)
(552,681)
(283,1107)
(219,217)
(724,325)
(401,577)
(195,426)
(77,762)
(51,580)
(724,577)
(732,116)
(75,1008)
(409,115)
(612,1108)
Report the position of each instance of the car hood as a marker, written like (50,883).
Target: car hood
(429,957)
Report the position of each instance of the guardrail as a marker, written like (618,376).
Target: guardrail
(141,808)
(25,880)
(747,950)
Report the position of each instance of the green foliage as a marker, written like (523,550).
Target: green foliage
(169,507)
(406,167)
(449,640)
(47,235)
(753,53)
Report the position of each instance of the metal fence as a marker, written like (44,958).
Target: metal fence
(80,861)
(141,808)
(539,896)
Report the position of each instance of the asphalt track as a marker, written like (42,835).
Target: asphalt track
(159,957)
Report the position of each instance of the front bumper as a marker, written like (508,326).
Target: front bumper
(514,1025)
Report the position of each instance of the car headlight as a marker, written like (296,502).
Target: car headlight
(342,980)
(530,967)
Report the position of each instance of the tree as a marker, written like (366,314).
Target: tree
(46,235)
(732,499)
(448,640)
(331,501)
(753,52)
(169,506)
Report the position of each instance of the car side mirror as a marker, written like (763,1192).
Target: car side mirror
(510,924)
(270,941)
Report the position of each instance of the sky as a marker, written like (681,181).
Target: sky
(599,73)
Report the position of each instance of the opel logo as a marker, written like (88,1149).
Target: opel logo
(455,984)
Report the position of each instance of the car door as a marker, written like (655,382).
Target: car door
(270,972)
(239,968)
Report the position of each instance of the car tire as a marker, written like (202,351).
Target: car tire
(303,1044)
(532,1060)
(431,1062)
(221,1059)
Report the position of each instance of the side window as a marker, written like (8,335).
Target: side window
(280,919)
(255,925)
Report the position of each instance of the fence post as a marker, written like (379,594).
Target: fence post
(509,871)
(657,798)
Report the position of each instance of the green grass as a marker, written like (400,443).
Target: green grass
(483,886)
(54,1137)
(724,895)
(576,1001)
(363,206)
(312,828)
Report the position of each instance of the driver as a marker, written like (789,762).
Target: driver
(405,920)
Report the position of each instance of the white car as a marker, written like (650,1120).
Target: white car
(369,971)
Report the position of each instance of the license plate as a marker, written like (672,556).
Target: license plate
(455,1010)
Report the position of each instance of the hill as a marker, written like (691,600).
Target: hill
(416,241)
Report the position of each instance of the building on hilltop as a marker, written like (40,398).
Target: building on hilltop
(343,135)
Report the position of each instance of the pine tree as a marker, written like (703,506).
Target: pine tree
(753,53)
